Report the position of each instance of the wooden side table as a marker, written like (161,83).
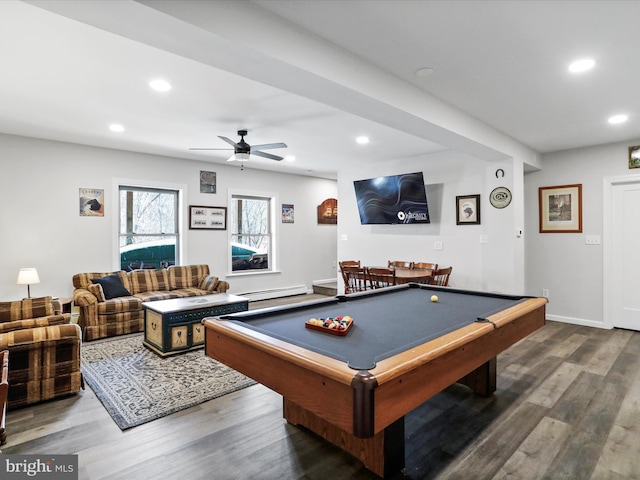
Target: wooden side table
(4,390)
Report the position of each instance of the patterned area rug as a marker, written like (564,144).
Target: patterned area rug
(137,386)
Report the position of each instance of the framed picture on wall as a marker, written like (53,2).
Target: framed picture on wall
(287,213)
(207,218)
(92,202)
(560,209)
(634,156)
(468,210)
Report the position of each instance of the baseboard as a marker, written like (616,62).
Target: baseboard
(576,321)
(276,293)
(325,281)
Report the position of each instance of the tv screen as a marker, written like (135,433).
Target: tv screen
(396,199)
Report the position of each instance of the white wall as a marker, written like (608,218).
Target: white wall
(42,228)
(562,262)
(493,266)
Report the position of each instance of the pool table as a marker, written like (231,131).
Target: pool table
(402,349)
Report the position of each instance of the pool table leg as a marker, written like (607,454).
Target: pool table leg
(383,454)
(483,379)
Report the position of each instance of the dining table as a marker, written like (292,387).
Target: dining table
(408,275)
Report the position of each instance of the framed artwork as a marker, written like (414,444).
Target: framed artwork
(92,202)
(468,210)
(207,218)
(634,157)
(560,209)
(287,213)
(328,212)
(208,182)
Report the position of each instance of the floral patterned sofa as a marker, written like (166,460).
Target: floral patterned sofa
(44,350)
(111,303)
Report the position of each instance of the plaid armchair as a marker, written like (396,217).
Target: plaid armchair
(44,350)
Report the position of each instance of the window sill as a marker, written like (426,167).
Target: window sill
(248,273)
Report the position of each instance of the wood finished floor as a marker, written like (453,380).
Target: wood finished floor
(567,407)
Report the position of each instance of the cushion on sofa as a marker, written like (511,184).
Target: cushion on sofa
(186,276)
(112,286)
(143,281)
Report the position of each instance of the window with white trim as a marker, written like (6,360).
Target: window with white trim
(148,235)
(252,233)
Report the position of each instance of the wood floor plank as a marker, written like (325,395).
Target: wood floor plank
(530,461)
(555,385)
(580,453)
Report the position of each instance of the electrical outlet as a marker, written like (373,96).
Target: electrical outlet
(545,293)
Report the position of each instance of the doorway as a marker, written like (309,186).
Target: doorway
(622,252)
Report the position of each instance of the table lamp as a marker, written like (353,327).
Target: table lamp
(27,276)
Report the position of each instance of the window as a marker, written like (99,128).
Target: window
(251,227)
(149,233)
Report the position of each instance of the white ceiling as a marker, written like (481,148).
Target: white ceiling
(279,68)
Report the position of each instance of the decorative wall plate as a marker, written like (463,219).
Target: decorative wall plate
(500,197)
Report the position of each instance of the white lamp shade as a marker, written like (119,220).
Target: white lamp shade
(28,276)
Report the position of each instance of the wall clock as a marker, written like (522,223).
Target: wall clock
(500,197)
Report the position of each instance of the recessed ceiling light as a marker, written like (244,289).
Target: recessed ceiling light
(160,85)
(424,72)
(116,127)
(582,65)
(362,140)
(618,119)
(290,158)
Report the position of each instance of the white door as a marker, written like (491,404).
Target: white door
(625,256)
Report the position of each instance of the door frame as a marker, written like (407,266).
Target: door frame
(608,187)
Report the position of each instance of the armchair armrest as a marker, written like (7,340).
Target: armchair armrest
(35,322)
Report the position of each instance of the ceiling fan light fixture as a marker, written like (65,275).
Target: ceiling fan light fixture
(239,157)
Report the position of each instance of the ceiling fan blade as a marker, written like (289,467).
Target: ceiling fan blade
(258,153)
(211,149)
(230,142)
(267,146)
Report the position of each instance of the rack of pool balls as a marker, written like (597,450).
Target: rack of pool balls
(333,325)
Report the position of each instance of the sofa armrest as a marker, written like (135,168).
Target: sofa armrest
(87,304)
(83,297)
(35,322)
(213,284)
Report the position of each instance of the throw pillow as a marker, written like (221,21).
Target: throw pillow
(112,286)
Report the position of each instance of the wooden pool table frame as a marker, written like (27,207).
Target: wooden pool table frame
(363,411)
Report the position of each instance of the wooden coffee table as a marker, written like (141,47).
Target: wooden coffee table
(175,325)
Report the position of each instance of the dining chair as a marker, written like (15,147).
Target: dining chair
(379,277)
(349,263)
(398,264)
(424,266)
(354,278)
(441,276)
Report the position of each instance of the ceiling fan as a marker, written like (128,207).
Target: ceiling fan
(242,150)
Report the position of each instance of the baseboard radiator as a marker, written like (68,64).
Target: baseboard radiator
(276,293)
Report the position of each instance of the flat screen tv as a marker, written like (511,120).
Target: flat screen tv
(395,199)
